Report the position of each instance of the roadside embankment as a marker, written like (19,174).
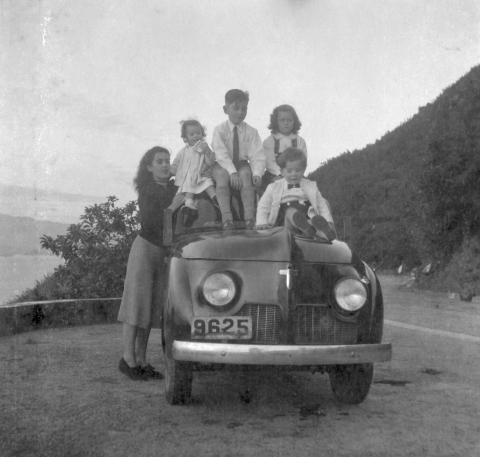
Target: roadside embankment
(27,316)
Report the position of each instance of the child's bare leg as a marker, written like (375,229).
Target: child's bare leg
(222,182)
(247,192)
(213,196)
(211,192)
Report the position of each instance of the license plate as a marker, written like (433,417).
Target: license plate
(222,328)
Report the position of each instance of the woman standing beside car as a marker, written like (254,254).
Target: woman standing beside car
(141,306)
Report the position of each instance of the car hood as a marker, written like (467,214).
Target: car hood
(273,245)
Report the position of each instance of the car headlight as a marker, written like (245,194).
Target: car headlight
(219,289)
(350,294)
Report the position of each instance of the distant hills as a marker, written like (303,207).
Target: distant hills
(413,196)
(43,204)
(27,213)
(21,235)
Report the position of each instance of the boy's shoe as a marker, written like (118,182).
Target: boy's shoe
(228,225)
(189,215)
(321,225)
(300,222)
(135,373)
(150,372)
(249,224)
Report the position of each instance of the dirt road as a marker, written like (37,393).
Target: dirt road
(61,395)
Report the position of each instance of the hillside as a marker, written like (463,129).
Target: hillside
(21,235)
(413,196)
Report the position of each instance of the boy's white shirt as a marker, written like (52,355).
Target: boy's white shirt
(285,142)
(269,205)
(251,148)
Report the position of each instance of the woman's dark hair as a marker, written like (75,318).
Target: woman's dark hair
(185,124)
(144,176)
(273,127)
(292,155)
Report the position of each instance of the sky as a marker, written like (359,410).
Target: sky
(87,87)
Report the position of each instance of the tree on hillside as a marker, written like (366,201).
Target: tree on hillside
(413,196)
(452,173)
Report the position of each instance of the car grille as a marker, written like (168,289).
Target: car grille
(315,325)
(266,321)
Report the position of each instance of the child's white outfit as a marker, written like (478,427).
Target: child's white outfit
(279,193)
(187,168)
(275,144)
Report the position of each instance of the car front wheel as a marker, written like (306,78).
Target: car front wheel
(178,381)
(351,383)
(178,375)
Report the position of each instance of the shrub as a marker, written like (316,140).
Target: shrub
(95,251)
(462,274)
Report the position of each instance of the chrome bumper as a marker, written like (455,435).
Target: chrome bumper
(256,354)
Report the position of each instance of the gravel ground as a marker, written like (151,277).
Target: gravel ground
(62,395)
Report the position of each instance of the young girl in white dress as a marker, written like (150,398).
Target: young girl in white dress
(192,169)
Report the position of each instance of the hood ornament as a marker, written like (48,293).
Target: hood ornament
(288,275)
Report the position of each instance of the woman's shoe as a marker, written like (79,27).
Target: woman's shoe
(135,373)
(150,372)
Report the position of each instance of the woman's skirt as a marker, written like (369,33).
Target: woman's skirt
(144,287)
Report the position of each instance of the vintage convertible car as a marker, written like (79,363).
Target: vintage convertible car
(268,298)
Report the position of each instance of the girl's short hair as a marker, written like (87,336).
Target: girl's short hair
(273,127)
(292,155)
(188,122)
(144,176)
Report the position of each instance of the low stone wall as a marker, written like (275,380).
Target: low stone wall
(27,316)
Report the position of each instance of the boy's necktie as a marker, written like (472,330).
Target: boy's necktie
(236,148)
(292,186)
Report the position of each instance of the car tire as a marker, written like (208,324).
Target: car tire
(178,381)
(351,383)
(178,375)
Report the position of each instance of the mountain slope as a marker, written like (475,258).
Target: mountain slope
(414,195)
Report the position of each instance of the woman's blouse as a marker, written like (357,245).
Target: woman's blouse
(153,198)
